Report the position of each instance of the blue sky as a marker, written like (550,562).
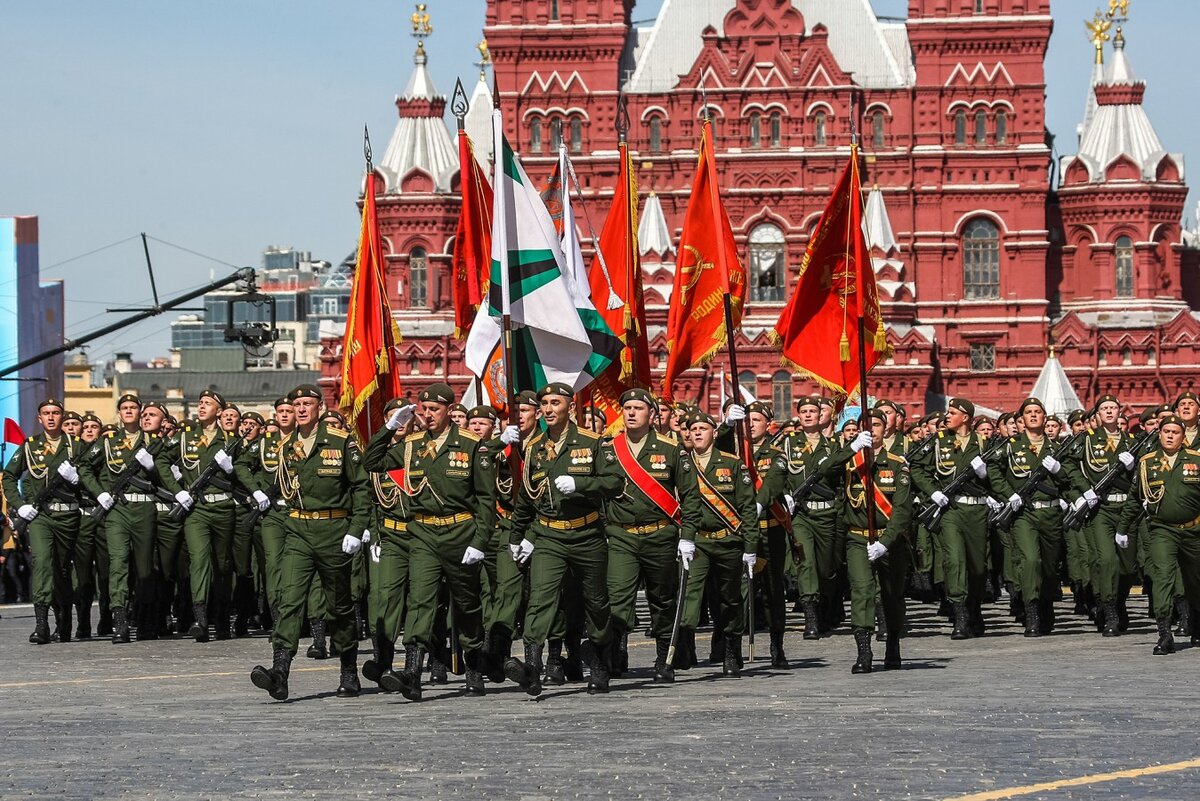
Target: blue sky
(228,126)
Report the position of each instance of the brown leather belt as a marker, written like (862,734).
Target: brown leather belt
(569,525)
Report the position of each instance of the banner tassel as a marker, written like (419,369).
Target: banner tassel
(844,345)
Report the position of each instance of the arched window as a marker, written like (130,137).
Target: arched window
(748,382)
(655,134)
(756,130)
(960,127)
(776,129)
(981,127)
(418,279)
(781,391)
(1124,267)
(819,129)
(1126,356)
(1001,127)
(768,260)
(981,260)
(877,130)
(555,134)
(535,135)
(576,135)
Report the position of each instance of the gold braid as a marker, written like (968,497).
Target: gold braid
(1151,496)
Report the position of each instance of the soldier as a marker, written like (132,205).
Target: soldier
(458,415)
(449,481)
(246,538)
(726,539)
(557,526)
(168,531)
(48,460)
(659,492)
(231,418)
(261,461)
(1187,408)
(321,479)
(91,552)
(1167,487)
(72,424)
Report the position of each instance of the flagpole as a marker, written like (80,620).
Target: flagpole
(631,309)
(506,336)
(852,235)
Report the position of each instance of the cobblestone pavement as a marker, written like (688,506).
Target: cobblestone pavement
(176,719)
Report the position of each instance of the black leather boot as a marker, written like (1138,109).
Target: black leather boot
(663,672)
(41,625)
(1112,619)
(349,686)
(385,653)
(620,659)
(731,666)
(499,648)
(104,626)
(1046,613)
(881,629)
(862,638)
(1166,641)
(473,679)
(533,669)
(62,624)
(812,630)
(83,617)
(599,660)
(438,674)
(716,648)
(1033,620)
(778,657)
(891,657)
(394,682)
(319,648)
(554,666)
(199,628)
(120,625)
(962,628)
(275,678)
(572,666)
(1183,614)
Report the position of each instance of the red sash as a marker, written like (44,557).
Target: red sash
(881,500)
(397,476)
(645,482)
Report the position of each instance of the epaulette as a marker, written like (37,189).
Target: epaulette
(1146,456)
(896,458)
(667,438)
(1191,452)
(586,434)
(728,455)
(110,434)
(415,436)
(535,439)
(468,435)
(337,432)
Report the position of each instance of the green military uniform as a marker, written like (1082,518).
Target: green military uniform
(774,546)
(260,461)
(504,588)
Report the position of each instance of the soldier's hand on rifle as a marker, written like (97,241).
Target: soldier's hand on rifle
(510,434)
(376,552)
(1091,497)
(400,417)
(1015,502)
(565,484)
(940,498)
(1122,540)
(1126,458)
(263,501)
(749,559)
(993,504)
(223,461)
(1062,504)
(105,500)
(69,473)
(27,512)
(472,556)
(875,550)
(979,466)
(515,550)
(1051,464)
(1078,503)
(735,414)
(351,544)
(184,499)
(861,441)
(687,550)
(790,503)
(524,551)
(144,458)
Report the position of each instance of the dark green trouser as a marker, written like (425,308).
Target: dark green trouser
(585,554)
(312,554)
(129,529)
(886,577)
(1109,562)
(389,583)
(964,551)
(436,552)
(84,560)
(773,546)
(102,566)
(924,549)
(648,559)
(273,537)
(816,531)
(208,531)
(503,589)
(1038,549)
(1007,556)
(168,535)
(1174,553)
(51,537)
(1079,556)
(723,559)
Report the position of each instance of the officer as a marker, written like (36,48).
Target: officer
(48,461)
(727,537)
(450,483)
(321,479)
(557,526)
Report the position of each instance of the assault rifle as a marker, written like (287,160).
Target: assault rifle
(127,476)
(255,513)
(1079,516)
(48,493)
(931,515)
(1004,517)
(810,485)
(178,512)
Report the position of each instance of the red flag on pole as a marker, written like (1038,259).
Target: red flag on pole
(472,259)
(706,270)
(818,329)
(369,373)
(12,432)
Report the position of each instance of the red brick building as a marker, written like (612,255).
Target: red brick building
(984,256)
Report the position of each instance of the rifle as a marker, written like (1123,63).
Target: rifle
(809,484)
(1003,518)
(931,515)
(1077,517)
(255,513)
(123,481)
(20,524)
(178,512)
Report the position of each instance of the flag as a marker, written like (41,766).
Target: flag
(472,239)
(527,284)
(12,432)
(818,329)
(707,269)
(552,196)
(369,373)
(727,385)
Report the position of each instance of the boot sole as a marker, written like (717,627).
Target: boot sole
(514,671)
(394,683)
(372,671)
(261,678)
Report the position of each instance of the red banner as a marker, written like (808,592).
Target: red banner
(472,259)
(12,432)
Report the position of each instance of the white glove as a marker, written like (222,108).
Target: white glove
(1078,503)
(993,504)
(687,550)
(105,500)
(524,551)
(223,461)
(790,503)
(262,500)
(515,550)
(144,458)
(861,440)
(979,466)
(875,550)
(184,499)
(351,544)
(68,471)
(366,537)
(748,559)
(1126,458)
(565,484)
(940,498)
(472,556)
(400,417)
(759,507)
(510,434)
(1062,504)
(376,551)
(27,512)
(1015,502)
(175,471)
(1122,540)
(734,414)
(1091,497)
(1051,464)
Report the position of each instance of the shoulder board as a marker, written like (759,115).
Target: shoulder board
(467,435)
(942,434)
(583,432)
(728,455)
(535,439)
(337,432)
(1147,456)
(1091,431)
(110,434)
(668,439)
(1191,452)
(894,457)
(415,437)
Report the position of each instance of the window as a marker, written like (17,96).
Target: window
(776,129)
(781,391)
(1102,357)
(576,135)
(535,135)
(983,357)
(978,6)
(555,134)
(877,130)
(768,258)
(748,382)
(1126,357)
(819,129)
(981,127)
(1152,357)
(981,260)
(655,134)
(329,306)
(554,10)
(755,130)
(1001,127)
(1124,267)
(960,127)
(418,279)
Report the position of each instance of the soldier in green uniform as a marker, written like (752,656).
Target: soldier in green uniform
(557,526)
(878,568)
(726,539)
(1167,487)
(246,539)
(1037,532)
(322,481)
(658,491)
(91,553)
(450,487)
(44,459)
(168,532)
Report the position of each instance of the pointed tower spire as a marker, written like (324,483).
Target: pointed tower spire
(653,236)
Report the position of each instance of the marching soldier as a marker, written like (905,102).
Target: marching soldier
(321,479)
(168,532)
(449,481)
(91,551)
